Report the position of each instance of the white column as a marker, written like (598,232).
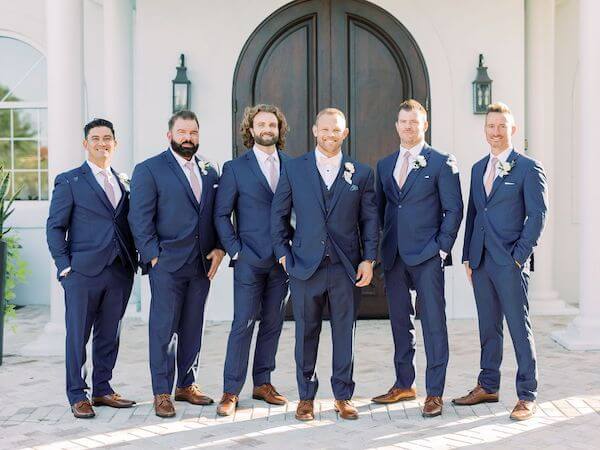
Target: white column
(584,332)
(65,118)
(118,77)
(539,131)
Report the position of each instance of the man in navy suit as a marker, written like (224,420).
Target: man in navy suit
(260,283)
(508,203)
(91,244)
(171,217)
(333,248)
(420,210)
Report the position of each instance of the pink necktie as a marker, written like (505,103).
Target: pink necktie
(110,192)
(403,170)
(193,180)
(272,175)
(489,182)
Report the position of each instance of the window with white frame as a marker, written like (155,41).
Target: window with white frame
(23,118)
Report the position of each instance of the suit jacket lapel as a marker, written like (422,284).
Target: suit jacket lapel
(340,184)
(414,173)
(88,175)
(123,192)
(315,177)
(478,173)
(389,175)
(499,180)
(206,185)
(253,163)
(178,171)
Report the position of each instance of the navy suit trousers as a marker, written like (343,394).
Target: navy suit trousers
(501,291)
(259,295)
(176,324)
(428,280)
(329,285)
(97,302)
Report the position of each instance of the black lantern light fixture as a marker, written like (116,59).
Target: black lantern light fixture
(482,89)
(181,87)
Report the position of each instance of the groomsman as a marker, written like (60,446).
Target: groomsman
(91,244)
(332,251)
(420,210)
(506,214)
(260,283)
(171,216)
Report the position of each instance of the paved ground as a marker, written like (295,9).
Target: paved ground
(34,414)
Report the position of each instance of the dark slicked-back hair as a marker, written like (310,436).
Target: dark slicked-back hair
(98,123)
(183,114)
(248,122)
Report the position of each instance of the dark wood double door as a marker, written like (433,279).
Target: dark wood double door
(348,54)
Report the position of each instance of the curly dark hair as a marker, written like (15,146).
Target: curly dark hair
(247,123)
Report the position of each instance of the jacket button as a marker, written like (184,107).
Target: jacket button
(485,209)
(322,242)
(399,206)
(196,236)
(481,228)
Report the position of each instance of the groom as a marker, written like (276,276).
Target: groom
(332,251)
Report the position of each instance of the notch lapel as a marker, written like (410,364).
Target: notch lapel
(123,192)
(88,175)
(414,173)
(389,176)
(178,171)
(478,173)
(253,163)
(315,177)
(499,180)
(340,185)
(206,185)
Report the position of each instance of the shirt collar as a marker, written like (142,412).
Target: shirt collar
(180,159)
(334,160)
(262,156)
(96,169)
(414,151)
(502,157)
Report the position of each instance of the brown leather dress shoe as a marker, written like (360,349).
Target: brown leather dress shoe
(346,409)
(524,409)
(476,396)
(305,410)
(269,394)
(113,400)
(227,404)
(192,394)
(83,409)
(433,406)
(163,406)
(396,395)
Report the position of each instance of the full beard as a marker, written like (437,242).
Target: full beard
(185,152)
(266,140)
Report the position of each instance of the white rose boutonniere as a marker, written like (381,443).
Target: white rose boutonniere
(420,162)
(504,168)
(204,166)
(125,180)
(348,171)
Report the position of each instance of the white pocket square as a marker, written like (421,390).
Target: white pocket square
(508,183)
(215,186)
(426,176)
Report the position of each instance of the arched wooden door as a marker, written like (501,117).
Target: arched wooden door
(349,54)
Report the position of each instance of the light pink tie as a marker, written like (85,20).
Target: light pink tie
(272,174)
(194,182)
(403,170)
(489,181)
(110,192)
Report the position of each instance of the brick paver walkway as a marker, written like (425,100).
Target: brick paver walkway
(34,414)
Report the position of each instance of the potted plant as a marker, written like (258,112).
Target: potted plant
(6,201)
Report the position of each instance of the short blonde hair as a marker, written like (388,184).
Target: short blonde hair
(412,105)
(499,107)
(330,112)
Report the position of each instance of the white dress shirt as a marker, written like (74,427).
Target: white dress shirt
(182,162)
(262,157)
(100,179)
(502,157)
(328,167)
(414,152)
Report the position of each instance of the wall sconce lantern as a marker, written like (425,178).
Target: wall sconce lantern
(181,87)
(482,89)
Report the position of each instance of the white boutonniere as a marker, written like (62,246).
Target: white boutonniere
(348,171)
(453,163)
(420,162)
(124,178)
(504,168)
(204,166)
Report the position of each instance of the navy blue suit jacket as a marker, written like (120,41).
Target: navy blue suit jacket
(422,218)
(83,230)
(510,221)
(166,220)
(351,222)
(244,190)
